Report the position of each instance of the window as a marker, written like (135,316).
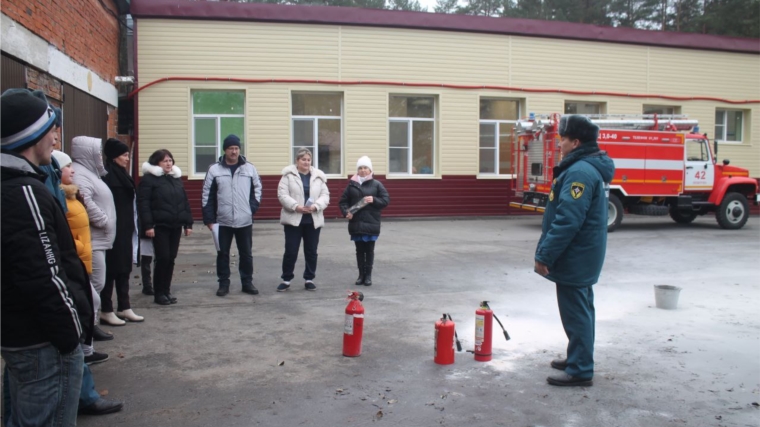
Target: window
(215,115)
(576,107)
(412,135)
(662,109)
(497,120)
(729,125)
(317,126)
(696,151)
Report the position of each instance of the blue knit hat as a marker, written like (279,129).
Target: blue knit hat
(24,119)
(579,127)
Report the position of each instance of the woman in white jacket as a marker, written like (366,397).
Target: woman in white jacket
(304,196)
(101,210)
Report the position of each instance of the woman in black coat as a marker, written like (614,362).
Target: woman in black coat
(164,211)
(120,257)
(364,221)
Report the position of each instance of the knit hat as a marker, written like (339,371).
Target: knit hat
(364,161)
(58,116)
(231,140)
(62,158)
(24,118)
(114,148)
(580,128)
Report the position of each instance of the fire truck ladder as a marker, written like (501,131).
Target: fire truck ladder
(643,121)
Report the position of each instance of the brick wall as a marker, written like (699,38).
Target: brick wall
(37,80)
(82,29)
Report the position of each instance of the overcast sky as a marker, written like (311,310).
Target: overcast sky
(429,4)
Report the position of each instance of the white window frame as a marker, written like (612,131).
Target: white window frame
(602,106)
(219,137)
(315,129)
(496,140)
(409,147)
(676,108)
(722,137)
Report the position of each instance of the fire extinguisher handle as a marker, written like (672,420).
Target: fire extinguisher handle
(506,334)
(456,337)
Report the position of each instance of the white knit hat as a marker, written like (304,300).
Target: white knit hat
(364,161)
(62,158)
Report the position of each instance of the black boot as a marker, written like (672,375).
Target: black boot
(145,267)
(360,263)
(368,269)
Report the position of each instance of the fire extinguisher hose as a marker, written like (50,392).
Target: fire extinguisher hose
(506,334)
(456,337)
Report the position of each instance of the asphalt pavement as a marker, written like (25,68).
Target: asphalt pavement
(275,359)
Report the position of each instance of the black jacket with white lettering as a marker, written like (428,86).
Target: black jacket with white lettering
(46,293)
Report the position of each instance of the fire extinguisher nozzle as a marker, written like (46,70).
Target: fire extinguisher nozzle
(506,335)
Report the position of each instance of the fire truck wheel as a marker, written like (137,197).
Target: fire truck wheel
(614,213)
(733,211)
(682,216)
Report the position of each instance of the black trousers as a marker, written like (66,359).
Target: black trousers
(121,282)
(165,248)
(243,239)
(293,237)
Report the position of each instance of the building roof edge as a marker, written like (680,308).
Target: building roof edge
(333,15)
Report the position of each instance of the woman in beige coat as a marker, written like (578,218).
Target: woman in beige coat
(304,196)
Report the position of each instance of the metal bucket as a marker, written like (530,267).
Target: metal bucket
(666,296)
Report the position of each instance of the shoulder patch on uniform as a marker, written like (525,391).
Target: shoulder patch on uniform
(576,190)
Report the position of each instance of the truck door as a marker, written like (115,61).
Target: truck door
(699,174)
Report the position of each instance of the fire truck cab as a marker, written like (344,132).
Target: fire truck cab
(663,166)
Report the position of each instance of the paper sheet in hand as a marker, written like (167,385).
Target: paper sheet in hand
(309,202)
(215,233)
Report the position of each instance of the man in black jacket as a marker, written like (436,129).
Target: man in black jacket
(46,302)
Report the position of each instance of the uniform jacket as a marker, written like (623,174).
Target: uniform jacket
(79,224)
(46,294)
(162,200)
(367,219)
(231,201)
(98,200)
(124,251)
(574,234)
(290,194)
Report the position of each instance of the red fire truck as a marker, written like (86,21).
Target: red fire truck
(663,165)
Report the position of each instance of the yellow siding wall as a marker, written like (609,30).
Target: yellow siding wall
(269,50)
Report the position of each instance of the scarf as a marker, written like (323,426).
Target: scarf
(118,177)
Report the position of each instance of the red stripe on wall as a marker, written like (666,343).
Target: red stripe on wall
(448,196)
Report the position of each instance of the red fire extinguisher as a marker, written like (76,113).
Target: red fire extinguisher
(445,335)
(353,326)
(483,329)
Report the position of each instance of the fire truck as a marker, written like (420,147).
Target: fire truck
(663,165)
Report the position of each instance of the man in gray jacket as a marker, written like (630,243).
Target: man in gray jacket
(231,196)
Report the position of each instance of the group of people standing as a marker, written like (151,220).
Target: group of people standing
(232,195)
(70,237)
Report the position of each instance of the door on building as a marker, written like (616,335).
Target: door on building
(83,115)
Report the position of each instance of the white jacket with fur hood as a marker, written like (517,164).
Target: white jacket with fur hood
(290,194)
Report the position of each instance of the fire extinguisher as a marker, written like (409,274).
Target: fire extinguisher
(445,335)
(353,326)
(483,329)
